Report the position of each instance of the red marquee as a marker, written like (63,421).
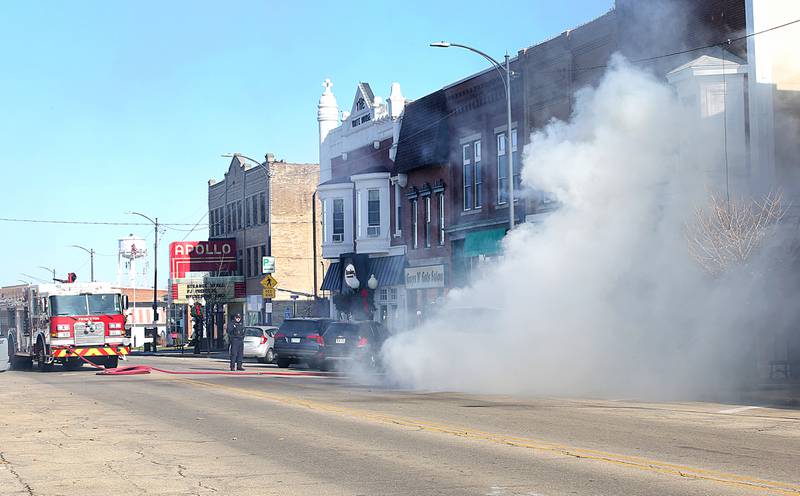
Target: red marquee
(216,255)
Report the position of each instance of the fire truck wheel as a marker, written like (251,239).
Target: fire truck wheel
(41,357)
(111,362)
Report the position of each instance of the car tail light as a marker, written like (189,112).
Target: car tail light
(280,335)
(264,339)
(362,341)
(317,338)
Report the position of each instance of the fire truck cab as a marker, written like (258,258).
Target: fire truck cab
(62,322)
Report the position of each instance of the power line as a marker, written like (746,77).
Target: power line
(86,222)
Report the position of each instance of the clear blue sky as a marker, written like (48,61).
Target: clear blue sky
(113,106)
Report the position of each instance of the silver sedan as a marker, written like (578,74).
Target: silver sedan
(259,343)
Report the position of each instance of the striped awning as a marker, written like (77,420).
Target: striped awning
(333,278)
(387,270)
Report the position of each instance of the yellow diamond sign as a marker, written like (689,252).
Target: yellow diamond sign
(269,282)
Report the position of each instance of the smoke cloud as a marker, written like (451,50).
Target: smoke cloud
(602,298)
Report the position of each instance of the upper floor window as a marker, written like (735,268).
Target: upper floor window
(414,226)
(338,220)
(373,212)
(263,201)
(441,219)
(502,166)
(427,221)
(247,207)
(472,174)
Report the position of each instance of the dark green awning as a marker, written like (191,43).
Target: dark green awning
(486,242)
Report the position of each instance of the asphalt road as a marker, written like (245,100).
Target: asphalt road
(78,433)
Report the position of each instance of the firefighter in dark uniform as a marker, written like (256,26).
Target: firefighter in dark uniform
(236,338)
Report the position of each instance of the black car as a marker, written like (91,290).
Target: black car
(300,340)
(350,341)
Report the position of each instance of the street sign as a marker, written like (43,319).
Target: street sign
(269,282)
(268,293)
(267,265)
(287,313)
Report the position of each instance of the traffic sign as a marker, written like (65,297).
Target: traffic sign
(287,313)
(267,265)
(268,293)
(269,282)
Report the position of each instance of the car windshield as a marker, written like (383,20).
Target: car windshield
(95,304)
(253,332)
(100,304)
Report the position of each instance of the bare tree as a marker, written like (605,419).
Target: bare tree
(726,233)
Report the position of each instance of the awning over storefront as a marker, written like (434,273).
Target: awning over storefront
(333,278)
(485,242)
(387,270)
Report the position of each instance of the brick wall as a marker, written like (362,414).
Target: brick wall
(292,189)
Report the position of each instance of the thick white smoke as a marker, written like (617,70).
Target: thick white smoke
(602,297)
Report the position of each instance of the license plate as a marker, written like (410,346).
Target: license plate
(295,340)
(340,340)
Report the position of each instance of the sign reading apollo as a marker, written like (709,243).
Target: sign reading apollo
(215,255)
(431,276)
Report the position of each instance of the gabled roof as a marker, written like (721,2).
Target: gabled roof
(366,90)
(423,133)
(709,61)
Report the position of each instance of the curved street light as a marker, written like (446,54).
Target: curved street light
(155,276)
(91,253)
(504,72)
(48,269)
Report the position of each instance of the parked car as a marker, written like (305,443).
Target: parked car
(353,342)
(259,342)
(300,340)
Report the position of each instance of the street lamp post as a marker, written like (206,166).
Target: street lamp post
(155,277)
(265,168)
(48,269)
(504,72)
(91,253)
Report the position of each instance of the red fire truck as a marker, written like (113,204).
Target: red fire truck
(61,322)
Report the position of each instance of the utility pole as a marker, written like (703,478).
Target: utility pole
(155,277)
(314,242)
(91,253)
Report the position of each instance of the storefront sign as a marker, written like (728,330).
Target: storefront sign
(216,289)
(431,276)
(216,255)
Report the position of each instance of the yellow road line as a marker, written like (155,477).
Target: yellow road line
(644,464)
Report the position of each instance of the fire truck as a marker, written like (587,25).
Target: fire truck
(61,322)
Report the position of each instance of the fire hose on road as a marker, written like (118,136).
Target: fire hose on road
(146,369)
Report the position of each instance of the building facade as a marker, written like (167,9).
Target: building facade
(359,201)
(268,208)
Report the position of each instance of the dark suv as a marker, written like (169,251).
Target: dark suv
(300,340)
(350,341)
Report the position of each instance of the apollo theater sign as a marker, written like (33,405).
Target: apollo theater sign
(216,255)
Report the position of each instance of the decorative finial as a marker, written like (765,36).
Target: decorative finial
(327,85)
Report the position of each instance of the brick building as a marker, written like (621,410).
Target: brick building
(243,205)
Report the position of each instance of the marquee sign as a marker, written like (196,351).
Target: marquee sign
(216,289)
(215,255)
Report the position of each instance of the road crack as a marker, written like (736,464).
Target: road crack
(16,475)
